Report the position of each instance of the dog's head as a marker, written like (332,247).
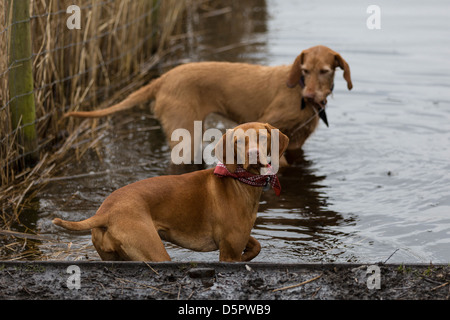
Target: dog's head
(314,71)
(253,146)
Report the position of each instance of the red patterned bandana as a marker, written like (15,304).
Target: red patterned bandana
(256,180)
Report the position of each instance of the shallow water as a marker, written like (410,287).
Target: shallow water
(376,183)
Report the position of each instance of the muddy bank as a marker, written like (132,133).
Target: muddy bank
(220,281)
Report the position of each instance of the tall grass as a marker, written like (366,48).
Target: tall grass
(77,69)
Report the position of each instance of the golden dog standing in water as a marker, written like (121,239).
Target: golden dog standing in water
(291,98)
(203,211)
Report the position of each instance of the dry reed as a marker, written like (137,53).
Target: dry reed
(76,69)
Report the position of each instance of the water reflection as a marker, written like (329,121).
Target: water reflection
(300,218)
(234,31)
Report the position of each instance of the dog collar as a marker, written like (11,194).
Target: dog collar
(255,180)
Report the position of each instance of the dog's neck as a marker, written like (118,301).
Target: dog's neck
(251,179)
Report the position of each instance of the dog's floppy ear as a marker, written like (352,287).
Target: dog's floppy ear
(340,62)
(283,139)
(296,71)
(221,152)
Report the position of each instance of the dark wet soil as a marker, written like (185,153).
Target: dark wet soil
(220,281)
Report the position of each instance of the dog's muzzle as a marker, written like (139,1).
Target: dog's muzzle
(320,107)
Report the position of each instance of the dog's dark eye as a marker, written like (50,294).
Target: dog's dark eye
(324,71)
(305,71)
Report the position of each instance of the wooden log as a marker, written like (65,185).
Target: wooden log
(22,107)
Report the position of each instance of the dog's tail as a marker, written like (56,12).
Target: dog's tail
(139,96)
(95,221)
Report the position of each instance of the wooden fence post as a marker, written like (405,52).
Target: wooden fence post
(21,95)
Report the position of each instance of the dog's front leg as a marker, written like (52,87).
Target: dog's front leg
(251,250)
(231,251)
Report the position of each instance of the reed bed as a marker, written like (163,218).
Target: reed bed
(119,42)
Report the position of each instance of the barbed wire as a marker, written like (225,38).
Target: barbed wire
(103,64)
(132,50)
(47,14)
